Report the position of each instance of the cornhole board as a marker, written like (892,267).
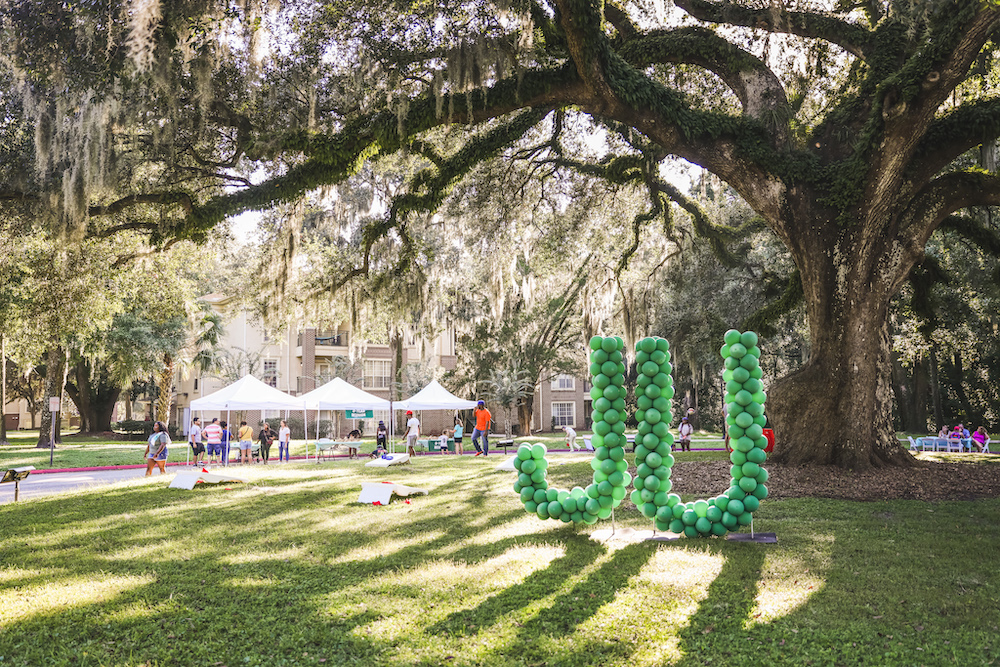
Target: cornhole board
(508,465)
(187,480)
(381,492)
(389,460)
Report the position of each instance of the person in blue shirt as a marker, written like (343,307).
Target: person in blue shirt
(457,434)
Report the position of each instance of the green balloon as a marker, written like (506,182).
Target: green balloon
(524,452)
(524,480)
(733,386)
(605,512)
(602,404)
(737,350)
(612,416)
(703,525)
(743,397)
(527,493)
(649,510)
(650,369)
(598,357)
(662,344)
(745,519)
(678,510)
(597,417)
(650,441)
(751,503)
(718,529)
(608,368)
(741,375)
(732,336)
(748,484)
(736,493)
(643,402)
(609,345)
(647,345)
(652,416)
(689,517)
(542,510)
(753,385)
(736,472)
(724,351)
(761,476)
(619,491)
(663,471)
(621,342)
(601,380)
(551,494)
(750,469)
(615,356)
(760,492)
(663,514)
(667,392)
(608,466)
(757,373)
(612,393)
(735,507)
(744,419)
(538,451)
(595,368)
(748,338)
(602,428)
(729,520)
(676,526)
(658,357)
(651,483)
(595,343)
(760,420)
(569,505)
(749,362)
(528,466)
(701,507)
(662,380)
(721,502)
(737,457)
(755,409)
(531,506)
(555,508)
(690,531)
(617,453)
(611,441)
(604,488)
(652,391)
(653,460)
(757,455)
(661,430)
(755,351)
(713,514)
(618,479)
(736,431)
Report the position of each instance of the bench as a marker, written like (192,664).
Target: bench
(503,443)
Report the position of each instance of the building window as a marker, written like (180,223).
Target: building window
(271,372)
(564,414)
(563,383)
(378,373)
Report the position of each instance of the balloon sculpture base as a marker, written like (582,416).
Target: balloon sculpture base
(759,538)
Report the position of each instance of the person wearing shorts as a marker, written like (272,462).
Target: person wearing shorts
(412,432)
(156,448)
(213,436)
(457,434)
(246,442)
(194,437)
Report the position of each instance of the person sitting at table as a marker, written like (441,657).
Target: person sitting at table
(943,433)
(979,438)
(352,450)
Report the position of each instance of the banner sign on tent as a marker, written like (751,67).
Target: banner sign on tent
(358,414)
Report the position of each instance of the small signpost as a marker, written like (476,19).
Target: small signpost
(16,475)
(54,409)
(358,414)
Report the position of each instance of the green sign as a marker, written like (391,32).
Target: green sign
(358,414)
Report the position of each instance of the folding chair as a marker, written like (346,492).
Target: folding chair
(986,446)
(913,443)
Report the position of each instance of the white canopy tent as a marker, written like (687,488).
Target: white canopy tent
(338,394)
(434,397)
(247,393)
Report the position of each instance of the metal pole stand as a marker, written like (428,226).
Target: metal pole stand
(757,538)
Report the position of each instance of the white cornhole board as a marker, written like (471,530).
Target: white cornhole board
(382,492)
(187,480)
(508,465)
(389,460)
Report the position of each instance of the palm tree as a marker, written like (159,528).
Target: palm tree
(200,351)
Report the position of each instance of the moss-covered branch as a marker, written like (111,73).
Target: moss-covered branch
(945,195)
(948,137)
(758,89)
(851,37)
(764,320)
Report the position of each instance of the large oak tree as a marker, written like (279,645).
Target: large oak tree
(849,149)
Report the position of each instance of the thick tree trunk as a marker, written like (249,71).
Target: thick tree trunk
(55,373)
(165,383)
(94,393)
(3,389)
(837,409)
(526,412)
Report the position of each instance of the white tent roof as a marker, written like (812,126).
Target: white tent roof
(248,393)
(338,394)
(434,397)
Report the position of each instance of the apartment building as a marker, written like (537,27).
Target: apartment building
(300,358)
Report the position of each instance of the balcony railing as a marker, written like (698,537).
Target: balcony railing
(330,338)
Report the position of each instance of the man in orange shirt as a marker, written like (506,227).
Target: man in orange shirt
(483,419)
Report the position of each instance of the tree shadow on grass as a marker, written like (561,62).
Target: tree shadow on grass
(728,606)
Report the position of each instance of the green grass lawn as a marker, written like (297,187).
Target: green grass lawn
(289,570)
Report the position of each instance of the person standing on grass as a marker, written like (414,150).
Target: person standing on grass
(266,439)
(412,432)
(246,442)
(685,430)
(482,430)
(213,435)
(284,439)
(571,438)
(458,433)
(381,436)
(156,448)
(227,438)
(194,438)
